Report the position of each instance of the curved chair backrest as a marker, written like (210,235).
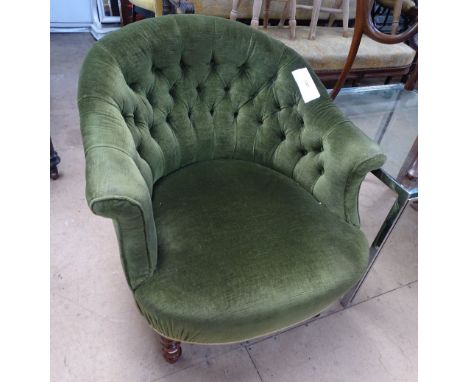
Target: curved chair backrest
(175,90)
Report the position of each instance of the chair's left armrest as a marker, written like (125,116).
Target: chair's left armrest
(119,186)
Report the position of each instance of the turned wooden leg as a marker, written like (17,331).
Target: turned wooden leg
(292,19)
(285,14)
(413,78)
(266,14)
(317,4)
(396,16)
(257,7)
(345,9)
(171,349)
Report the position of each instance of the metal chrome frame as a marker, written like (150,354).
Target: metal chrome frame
(404,197)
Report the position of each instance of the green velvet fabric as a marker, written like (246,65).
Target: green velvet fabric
(243,250)
(164,94)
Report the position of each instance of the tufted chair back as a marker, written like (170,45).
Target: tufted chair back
(174,90)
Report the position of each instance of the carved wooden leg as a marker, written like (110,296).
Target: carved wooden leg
(285,14)
(257,7)
(292,19)
(413,78)
(171,349)
(317,4)
(396,16)
(345,9)
(332,16)
(266,14)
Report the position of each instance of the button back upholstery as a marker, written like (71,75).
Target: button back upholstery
(162,95)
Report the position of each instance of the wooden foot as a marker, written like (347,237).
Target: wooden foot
(54,161)
(54,174)
(171,350)
(233,15)
(234,12)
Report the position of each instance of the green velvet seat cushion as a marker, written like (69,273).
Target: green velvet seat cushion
(243,251)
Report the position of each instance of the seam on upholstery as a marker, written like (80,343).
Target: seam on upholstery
(236,131)
(196,138)
(163,159)
(213,139)
(177,141)
(351,175)
(294,168)
(255,144)
(281,330)
(273,156)
(334,128)
(148,106)
(109,147)
(250,48)
(85,96)
(167,81)
(312,191)
(300,146)
(236,311)
(213,133)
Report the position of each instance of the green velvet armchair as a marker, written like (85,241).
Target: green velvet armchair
(235,203)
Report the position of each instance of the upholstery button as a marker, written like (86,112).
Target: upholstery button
(304,153)
(236,113)
(213,64)
(198,88)
(321,171)
(226,88)
(212,111)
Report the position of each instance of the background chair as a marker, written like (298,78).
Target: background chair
(340,7)
(234,201)
(365,26)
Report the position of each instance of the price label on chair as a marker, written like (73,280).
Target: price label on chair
(306,85)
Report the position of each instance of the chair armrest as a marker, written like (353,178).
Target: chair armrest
(348,157)
(118,187)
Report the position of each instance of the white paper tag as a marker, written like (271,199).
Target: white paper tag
(306,84)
